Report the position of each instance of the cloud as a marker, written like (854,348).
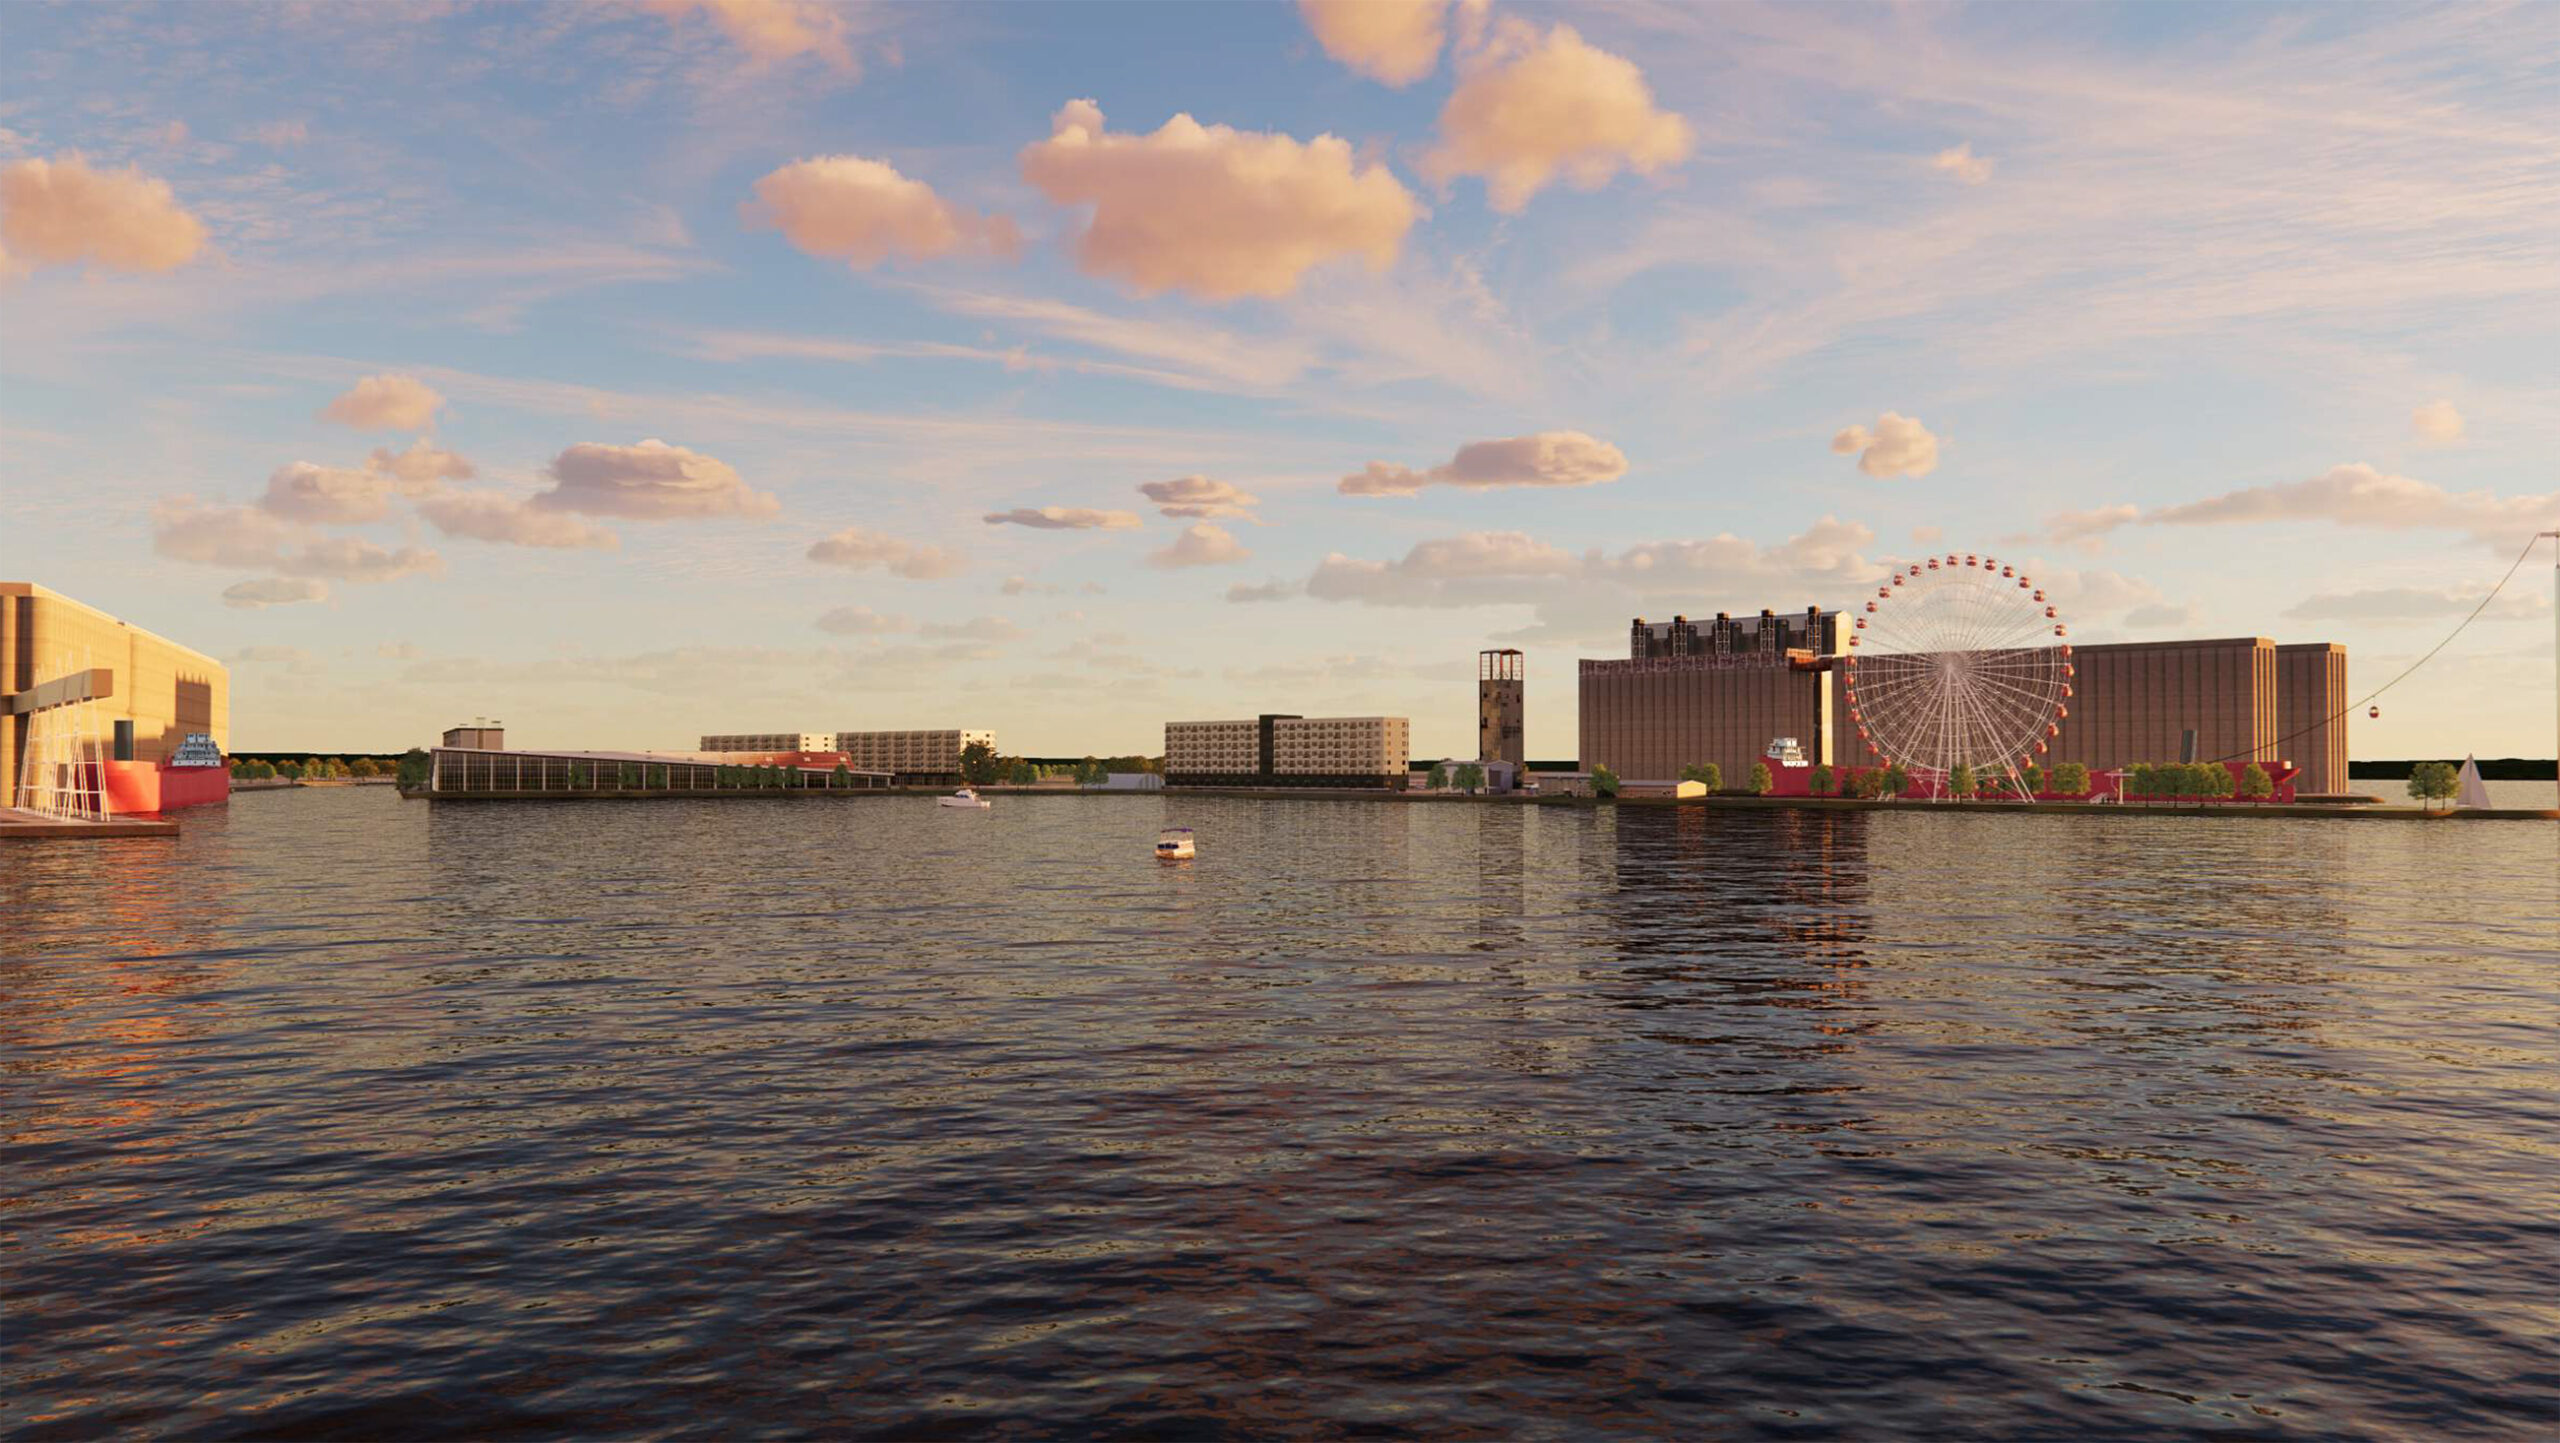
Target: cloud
(1202,543)
(1928,535)
(2086,530)
(277,134)
(2436,422)
(386,403)
(348,558)
(58,212)
(2161,616)
(1394,42)
(184,529)
(1275,589)
(1198,498)
(990,629)
(1960,162)
(859,621)
(1898,446)
(862,212)
(861,550)
(508,520)
(652,481)
(1215,211)
(2395,605)
(1549,458)
(273,591)
(420,468)
(325,495)
(1063,518)
(1472,569)
(772,30)
(2359,495)
(1532,107)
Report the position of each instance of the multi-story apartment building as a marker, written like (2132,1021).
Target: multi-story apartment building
(1275,750)
(769,742)
(914,756)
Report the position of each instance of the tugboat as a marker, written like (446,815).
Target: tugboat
(1173,844)
(964,798)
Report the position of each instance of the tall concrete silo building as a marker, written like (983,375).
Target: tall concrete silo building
(1502,708)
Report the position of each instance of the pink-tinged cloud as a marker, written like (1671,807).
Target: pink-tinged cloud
(1276,589)
(2396,605)
(772,30)
(1198,498)
(326,495)
(1898,446)
(420,469)
(386,403)
(2086,530)
(862,212)
(2437,422)
(273,591)
(1960,161)
(652,481)
(349,558)
(1535,107)
(1063,518)
(1473,569)
(511,521)
(1394,42)
(185,529)
(60,212)
(1548,458)
(864,550)
(859,621)
(2359,495)
(1214,211)
(1202,543)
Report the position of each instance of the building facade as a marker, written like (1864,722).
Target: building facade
(158,691)
(1502,708)
(2311,715)
(1718,691)
(2136,702)
(769,742)
(1276,750)
(922,756)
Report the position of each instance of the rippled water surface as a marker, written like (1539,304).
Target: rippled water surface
(348,1117)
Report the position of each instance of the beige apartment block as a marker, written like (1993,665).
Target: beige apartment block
(1276,750)
(2311,715)
(1342,746)
(933,753)
(166,690)
(1212,748)
(769,742)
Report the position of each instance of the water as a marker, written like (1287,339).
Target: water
(348,1117)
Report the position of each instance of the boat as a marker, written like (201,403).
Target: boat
(1785,752)
(965,797)
(1173,844)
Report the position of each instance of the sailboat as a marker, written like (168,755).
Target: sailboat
(2469,791)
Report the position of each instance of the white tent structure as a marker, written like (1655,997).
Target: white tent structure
(2469,792)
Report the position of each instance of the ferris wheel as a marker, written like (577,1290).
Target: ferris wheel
(1958,661)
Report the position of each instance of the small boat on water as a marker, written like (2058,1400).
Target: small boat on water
(1173,844)
(965,798)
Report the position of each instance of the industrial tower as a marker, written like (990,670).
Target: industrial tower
(1501,708)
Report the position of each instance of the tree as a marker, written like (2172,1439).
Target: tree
(2433,782)
(979,764)
(1708,773)
(266,771)
(2033,778)
(1468,778)
(2255,784)
(1896,780)
(1439,777)
(2071,779)
(1760,782)
(1961,782)
(842,776)
(1818,781)
(1604,782)
(1022,773)
(581,776)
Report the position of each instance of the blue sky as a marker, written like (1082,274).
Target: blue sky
(2227,321)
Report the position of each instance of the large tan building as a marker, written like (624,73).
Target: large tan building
(166,691)
(934,754)
(1289,751)
(2311,715)
(769,742)
(1718,691)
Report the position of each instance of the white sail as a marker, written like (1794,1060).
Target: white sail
(2468,791)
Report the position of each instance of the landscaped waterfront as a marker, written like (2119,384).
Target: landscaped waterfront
(346,1115)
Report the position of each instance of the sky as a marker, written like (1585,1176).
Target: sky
(630,371)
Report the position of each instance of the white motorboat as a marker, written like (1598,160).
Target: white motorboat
(1173,844)
(965,798)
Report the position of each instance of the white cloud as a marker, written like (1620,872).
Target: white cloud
(1215,211)
(1198,498)
(326,495)
(1202,543)
(1473,569)
(1898,446)
(862,550)
(1063,518)
(1394,42)
(1275,589)
(273,591)
(58,212)
(1549,458)
(348,558)
(2087,530)
(386,403)
(862,212)
(1960,162)
(1532,107)
(2359,495)
(508,520)
(860,621)
(2437,422)
(652,481)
